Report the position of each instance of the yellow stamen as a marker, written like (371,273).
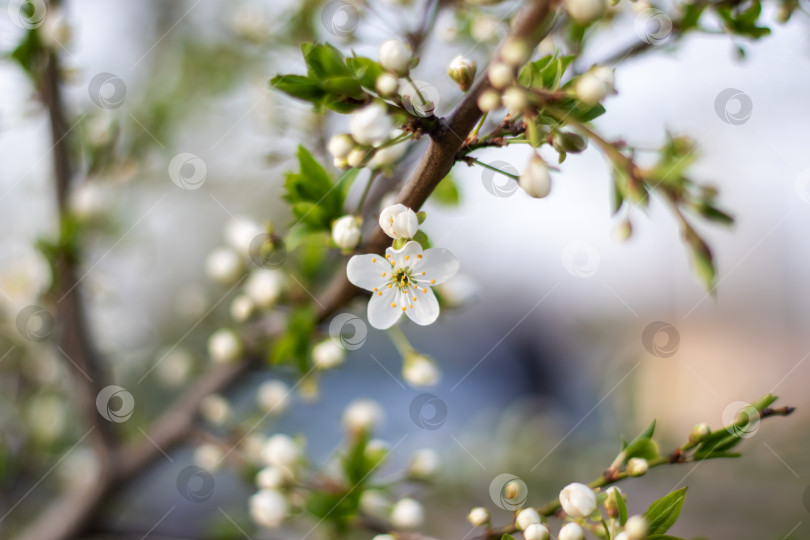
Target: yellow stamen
(418,256)
(393,304)
(373,260)
(407,257)
(432,281)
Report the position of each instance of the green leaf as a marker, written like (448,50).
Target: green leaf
(663,537)
(365,70)
(622,509)
(316,199)
(294,345)
(664,512)
(298,86)
(324,61)
(507,536)
(642,448)
(422,238)
(446,192)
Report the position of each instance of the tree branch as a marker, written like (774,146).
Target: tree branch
(529,26)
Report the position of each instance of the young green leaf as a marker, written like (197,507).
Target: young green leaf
(664,512)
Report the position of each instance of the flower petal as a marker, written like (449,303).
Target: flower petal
(438,265)
(366,271)
(425,308)
(407,255)
(383,309)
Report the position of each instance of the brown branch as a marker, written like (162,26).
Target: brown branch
(530,26)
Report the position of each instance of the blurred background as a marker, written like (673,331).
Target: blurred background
(543,366)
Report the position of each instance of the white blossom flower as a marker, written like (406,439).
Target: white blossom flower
(535,178)
(399,221)
(526,517)
(386,84)
(340,145)
(424,463)
(346,232)
(636,528)
(370,125)
(578,500)
(585,11)
(571,531)
(478,516)
(224,346)
(24,275)
(89,201)
(241,308)
(375,503)
(268,508)
(395,57)
(637,466)
(328,354)
(594,85)
(264,286)
(407,514)
(215,409)
(420,370)
(281,451)
(224,266)
(273,396)
(240,232)
(401,282)
(536,531)
(362,415)
(208,456)
(271,478)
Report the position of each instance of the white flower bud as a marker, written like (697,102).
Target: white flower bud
(535,178)
(264,286)
(340,145)
(55,31)
(571,531)
(374,503)
(251,447)
(88,201)
(501,75)
(386,84)
(328,354)
(637,466)
(341,163)
(377,450)
(536,531)
(578,500)
(489,100)
(515,52)
(526,517)
(208,456)
(622,231)
(594,85)
(395,57)
(399,221)
(175,367)
(240,233)
(621,536)
(224,266)
(387,156)
(699,432)
(611,502)
(362,415)
(420,370)
(268,508)
(384,537)
(478,516)
(407,514)
(346,232)
(370,125)
(281,451)
(241,308)
(515,100)
(271,478)
(424,463)
(636,528)
(273,396)
(357,156)
(224,346)
(484,28)
(462,71)
(215,409)
(585,11)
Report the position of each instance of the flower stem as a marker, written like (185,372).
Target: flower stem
(400,341)
(359,210)
(474,133)
(416,88)
(497,170)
